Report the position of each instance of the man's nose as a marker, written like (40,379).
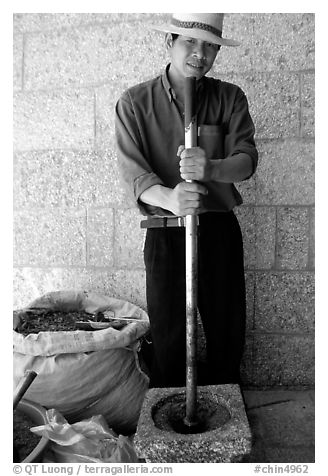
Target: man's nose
(199,50)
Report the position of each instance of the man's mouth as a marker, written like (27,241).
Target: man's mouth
(196,66)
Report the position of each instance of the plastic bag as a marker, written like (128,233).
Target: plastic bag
(86,441)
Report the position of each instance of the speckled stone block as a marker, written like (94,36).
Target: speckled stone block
(65,178)
(286,173)
(228,443)
(92,54)
(246,366)
(100,237)
(247,190)
(258,229)
(54,119)
(18,62)
(27,22)
(106,98)
(250,292)
(284,301)
(282,359)
(275,105)
(307,105)
(239,27)
(312,239)
(52,238)
(32,282)
(129,239)
(292,238)
(273,100)
(283,41)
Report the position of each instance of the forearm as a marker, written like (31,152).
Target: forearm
(232,169)
(184,199)
(157,196)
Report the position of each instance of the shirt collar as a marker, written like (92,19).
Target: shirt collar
(167,85)
(169,89)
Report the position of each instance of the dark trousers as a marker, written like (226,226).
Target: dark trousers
(221,299)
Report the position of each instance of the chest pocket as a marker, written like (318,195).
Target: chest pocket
(211,139)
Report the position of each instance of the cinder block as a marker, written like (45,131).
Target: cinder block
(74,56)
(18,62)
(250,296)
(285,175)
(91,55)
(129,239)
(54,120)
(311,263)
(32,282)
(292,237)
(149,53)
(258,228)
(106,99)
(284,301)
(100,237)
(66,178)
(246,367)
(91,178)
(238,26)
(280,359)
(275,106)
(34,22)
(55,238)
(283,41)
(240,78)
(246,218)
(128,284)
(247,190)
(37,179)
(308,104)
(265,237)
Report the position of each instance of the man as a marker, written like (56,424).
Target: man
(155,165)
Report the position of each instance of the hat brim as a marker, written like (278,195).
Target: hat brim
(196,33)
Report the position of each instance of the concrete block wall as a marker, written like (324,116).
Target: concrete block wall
(74,228)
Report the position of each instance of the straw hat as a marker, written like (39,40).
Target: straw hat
(203,26)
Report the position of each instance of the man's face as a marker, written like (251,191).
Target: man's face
(190,56)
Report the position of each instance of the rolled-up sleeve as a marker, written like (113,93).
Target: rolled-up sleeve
(240,131)
(135,171)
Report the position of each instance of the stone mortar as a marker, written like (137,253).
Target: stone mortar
(225,437)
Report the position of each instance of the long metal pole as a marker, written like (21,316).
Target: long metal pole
(191,267)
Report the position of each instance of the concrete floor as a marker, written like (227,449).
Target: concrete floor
(282,423)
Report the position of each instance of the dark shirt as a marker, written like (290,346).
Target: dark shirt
(150,127)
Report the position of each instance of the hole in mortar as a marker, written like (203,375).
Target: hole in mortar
(168,414)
